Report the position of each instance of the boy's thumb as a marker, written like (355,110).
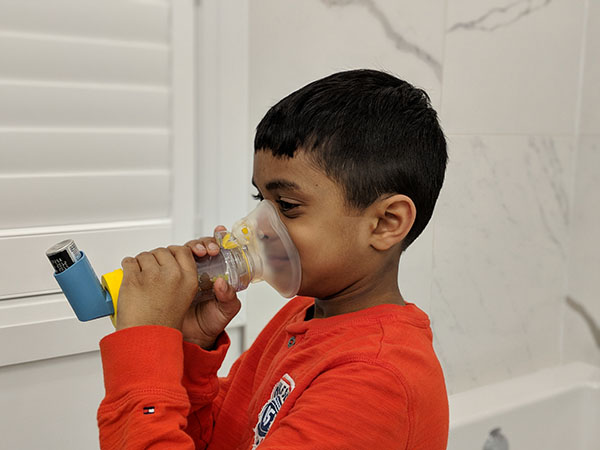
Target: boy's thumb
(229,304)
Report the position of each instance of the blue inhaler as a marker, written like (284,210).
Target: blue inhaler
(257,248)
(78,281)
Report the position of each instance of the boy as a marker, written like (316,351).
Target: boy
(355,163)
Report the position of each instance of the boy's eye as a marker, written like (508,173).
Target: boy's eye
(286,206)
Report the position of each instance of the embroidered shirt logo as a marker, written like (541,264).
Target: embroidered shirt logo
(267,414)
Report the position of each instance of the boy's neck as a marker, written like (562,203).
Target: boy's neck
(361,295)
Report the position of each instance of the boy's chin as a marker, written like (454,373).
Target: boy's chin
(313,293)
(303,292)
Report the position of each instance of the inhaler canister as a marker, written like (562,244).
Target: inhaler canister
(63,255)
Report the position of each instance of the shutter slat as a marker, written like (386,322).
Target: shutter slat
(108,19)
(34,57)
(105,249)
(32,201)
(72,105)
(47,151)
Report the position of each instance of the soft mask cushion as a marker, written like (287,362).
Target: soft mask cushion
(274,256)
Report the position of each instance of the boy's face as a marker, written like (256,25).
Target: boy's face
(331,238)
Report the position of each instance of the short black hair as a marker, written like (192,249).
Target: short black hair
(371,132)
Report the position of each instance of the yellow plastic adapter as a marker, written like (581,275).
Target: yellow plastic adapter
(111,281)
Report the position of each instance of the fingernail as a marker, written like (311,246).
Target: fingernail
(200,247)
(212,246)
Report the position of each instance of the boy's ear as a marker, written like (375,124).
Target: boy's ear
(393,217)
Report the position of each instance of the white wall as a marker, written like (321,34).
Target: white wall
(491,268)
(51,404)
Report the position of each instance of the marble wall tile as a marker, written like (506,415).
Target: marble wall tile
(293,43)
(511,67)
(415,272)
(499,258)
(582,313)
(590,101)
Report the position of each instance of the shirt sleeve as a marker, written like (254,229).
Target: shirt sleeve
(355,405)
(146,403)
(205,390)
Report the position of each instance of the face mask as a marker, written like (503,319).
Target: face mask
(257,248)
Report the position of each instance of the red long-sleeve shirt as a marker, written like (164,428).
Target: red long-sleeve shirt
(363,380)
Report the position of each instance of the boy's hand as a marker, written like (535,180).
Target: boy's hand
(158,288)
(205,320)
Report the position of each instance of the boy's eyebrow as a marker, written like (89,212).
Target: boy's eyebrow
(279,184)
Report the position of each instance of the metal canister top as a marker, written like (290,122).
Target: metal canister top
(63,255)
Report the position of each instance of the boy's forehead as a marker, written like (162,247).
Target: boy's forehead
(298,175)
(292,173)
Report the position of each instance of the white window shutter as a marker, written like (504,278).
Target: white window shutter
(96,140)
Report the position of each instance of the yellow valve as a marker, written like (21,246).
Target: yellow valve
(111,281)
(228,243)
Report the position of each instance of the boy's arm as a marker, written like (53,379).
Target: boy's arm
(205,390)
(355,405)
(146,404)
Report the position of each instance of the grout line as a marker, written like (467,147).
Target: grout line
(516,134)
(573,169)
(443,60)
(432,266)
(583,48)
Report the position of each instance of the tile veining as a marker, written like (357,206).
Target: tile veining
(501,16)
(401,42)
(587,317)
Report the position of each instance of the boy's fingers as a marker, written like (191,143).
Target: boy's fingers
(197,248)
(210,245)
(147,261)
(229,304)
(213,248)
(184,257)
(163,256)
(130,265)
(220,228)
(202,246)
